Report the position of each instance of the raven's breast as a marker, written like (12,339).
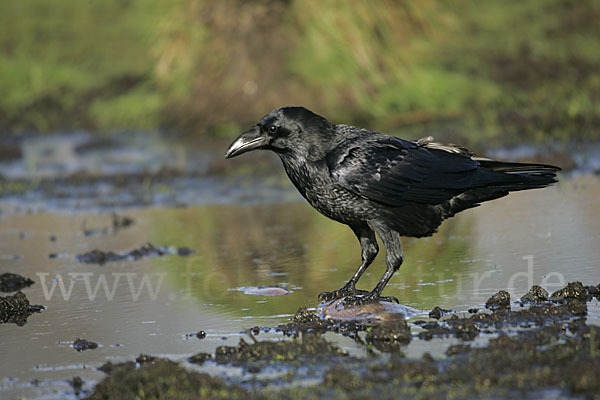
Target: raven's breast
(317,186)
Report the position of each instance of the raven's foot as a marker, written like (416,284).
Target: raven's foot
(346,291)
(369,298)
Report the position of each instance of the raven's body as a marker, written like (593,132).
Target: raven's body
(381,184)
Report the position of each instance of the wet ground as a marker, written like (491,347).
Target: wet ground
(169,252)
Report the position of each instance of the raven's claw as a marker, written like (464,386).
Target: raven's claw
(346,291)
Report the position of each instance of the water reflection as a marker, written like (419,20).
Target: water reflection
(293,246)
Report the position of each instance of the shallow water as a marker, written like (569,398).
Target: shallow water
(548,237)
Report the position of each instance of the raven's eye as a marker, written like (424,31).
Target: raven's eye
(273,129)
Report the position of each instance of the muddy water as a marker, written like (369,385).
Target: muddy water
(546,237)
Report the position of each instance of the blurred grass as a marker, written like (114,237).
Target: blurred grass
(474,71)
(78,64)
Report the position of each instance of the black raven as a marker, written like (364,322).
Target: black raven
(381,184)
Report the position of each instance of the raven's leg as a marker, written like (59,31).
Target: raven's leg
(393,260)
(368,245)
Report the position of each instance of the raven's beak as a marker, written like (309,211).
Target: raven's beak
(249,140)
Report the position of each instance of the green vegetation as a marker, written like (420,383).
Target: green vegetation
(78,64)
(466,70)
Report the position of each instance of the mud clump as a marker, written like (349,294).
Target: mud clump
(438,312)
(457,349)
(16,309)
(536,294)
(199,358)
(310,347)
(185,251)
(303,315)
(537,315)
(341,377)
(10,152)
(573,290)
(163,379)
(99,257)
(145,359)
(84,344)
(120,222)
(499,301)
(147,250)
(10,282)
(593,291)
(95,232)
(77,384)
(461,328)
(306,321)
(389,337)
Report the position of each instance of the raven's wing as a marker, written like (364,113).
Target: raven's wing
(395,172)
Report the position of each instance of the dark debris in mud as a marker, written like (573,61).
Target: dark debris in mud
(438,312)
(461,328)
(148,250)
(499,301)
(16,309)
(574,290)
(95,232)
(120,222)
(185,251)
(77,385)
(554,350)
(536,294)
(100,257)
(84,344)
(307,321)
(537,315)
(254,356)
(10,282)
(162,379)
(389,337)
(10,152)
(200,358)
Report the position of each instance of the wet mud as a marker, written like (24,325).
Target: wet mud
(148,250)
(437,312)
(545,349)
(309,348)
(16,309)
(10,282)
(82,172)
(574,290)
(499,301)
(162,379)
(536,294)
(118,222)
(84,344)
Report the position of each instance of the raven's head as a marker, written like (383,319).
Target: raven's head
(284,130)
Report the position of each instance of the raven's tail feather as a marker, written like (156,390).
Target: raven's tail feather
(493,179)
(497,179)
(512,167)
